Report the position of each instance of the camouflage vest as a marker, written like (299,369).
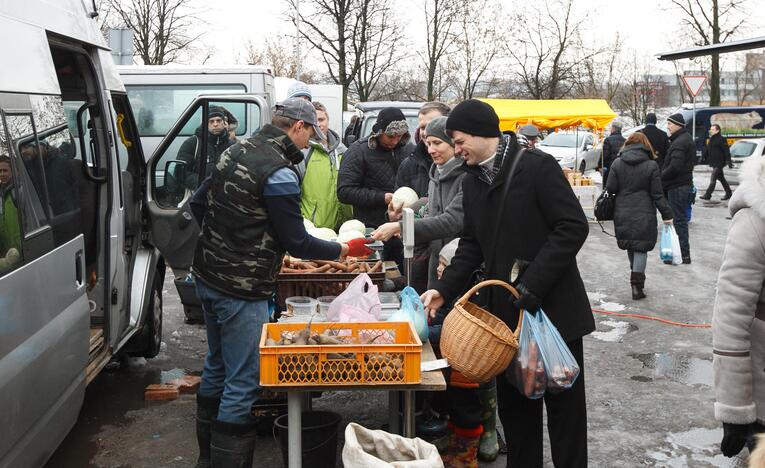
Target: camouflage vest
(237,252)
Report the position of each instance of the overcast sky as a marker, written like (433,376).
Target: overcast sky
(646,26)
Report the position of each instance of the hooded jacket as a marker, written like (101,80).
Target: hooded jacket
(634,180)
(738,322)
(678,165)
(367,173)
(318,200)
(190,151)
(415,169)
(717,152)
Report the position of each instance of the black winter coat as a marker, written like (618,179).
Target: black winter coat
(659,141)
(717,152)
(367,173)
(677,170)
(635,180)
(191,150)
(415,169)
(542,223)
(611,147)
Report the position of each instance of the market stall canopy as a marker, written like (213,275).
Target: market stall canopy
(549,114)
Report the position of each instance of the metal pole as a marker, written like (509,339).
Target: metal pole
(409,414)
(297,40)
(694,123)
(294,429)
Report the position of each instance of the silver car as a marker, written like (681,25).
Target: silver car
(575,150)
(741,151)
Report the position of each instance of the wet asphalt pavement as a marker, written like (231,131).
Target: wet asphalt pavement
(649,384)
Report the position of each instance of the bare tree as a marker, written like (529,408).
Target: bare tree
(637,94)
(440,26)
(602,75)
(712,21)
(161,28)
(277,53)
(747,82)
(545,51)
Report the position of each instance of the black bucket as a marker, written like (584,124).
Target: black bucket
(319,438)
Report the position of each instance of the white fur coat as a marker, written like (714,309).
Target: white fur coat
(738,324)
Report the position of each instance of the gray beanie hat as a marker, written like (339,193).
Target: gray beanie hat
(437,128)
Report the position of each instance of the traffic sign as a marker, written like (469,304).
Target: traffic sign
(694,83)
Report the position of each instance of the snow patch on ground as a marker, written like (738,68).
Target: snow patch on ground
(615,335)
(612,306)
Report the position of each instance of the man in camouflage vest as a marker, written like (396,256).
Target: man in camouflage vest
(252,218)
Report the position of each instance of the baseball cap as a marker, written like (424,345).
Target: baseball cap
(299,109)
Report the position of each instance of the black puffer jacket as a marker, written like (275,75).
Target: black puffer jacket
(678,165)
(717,151)
(191,150)
(367,173)
(611,147)
(415,169)
(634,179)
(659,141)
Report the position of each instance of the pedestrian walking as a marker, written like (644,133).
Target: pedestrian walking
(658,138)
(635,182)
(611,147)
(717,155)
(542,226)
(738,321)
(252,216)
(677,178)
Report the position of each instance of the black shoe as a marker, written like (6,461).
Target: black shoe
(207,411)
(637,281)
(706,197)
(637,292)
(686,260)
(668,262)
(232,445)
(726,197)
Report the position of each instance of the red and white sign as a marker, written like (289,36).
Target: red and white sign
(694,83)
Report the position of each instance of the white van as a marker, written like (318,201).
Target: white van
(83,219)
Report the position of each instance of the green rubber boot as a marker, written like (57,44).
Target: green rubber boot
(488,450)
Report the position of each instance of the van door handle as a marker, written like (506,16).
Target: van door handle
(78,273)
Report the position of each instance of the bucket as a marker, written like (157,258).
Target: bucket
(319,438)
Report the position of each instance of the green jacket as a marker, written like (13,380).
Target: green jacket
(10,229)
(318,200)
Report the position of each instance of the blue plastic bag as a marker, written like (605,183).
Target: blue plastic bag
(527,369)
(560,366)
(665,244)
(413,311)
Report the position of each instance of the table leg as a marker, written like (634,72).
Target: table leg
(393,412)
(294,428)
(408,414)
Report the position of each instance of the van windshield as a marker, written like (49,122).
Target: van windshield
(742,149)
(157,107)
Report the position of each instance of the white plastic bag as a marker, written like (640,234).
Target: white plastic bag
(379,449)
(358,303)
(677,254)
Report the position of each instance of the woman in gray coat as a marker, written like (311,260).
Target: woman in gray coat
(635,180)
(443,217)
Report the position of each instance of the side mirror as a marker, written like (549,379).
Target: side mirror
(588,147)
(175,180)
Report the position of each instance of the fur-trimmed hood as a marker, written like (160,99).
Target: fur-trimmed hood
(751,190)
(399,127)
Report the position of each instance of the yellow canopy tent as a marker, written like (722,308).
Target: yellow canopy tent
(549,114)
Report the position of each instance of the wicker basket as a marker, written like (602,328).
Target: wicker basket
(475,342)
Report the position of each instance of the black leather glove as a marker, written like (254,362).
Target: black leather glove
(734,438)
(528,300)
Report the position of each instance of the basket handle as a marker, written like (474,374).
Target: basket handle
(493,282)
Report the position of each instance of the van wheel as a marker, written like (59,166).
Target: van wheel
(583,166)
(148,341)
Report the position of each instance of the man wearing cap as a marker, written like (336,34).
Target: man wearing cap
(298,89)
(528,232)
(677,178)
(217,142)
(531,132)
(612,145)
(657,137)
(252,218)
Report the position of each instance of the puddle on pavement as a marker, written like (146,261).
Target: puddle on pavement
(641,378)
(693,447)
(680,368)
(118,389)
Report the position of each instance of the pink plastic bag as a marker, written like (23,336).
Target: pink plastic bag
(358,303)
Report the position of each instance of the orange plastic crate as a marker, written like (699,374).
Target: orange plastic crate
(393,358)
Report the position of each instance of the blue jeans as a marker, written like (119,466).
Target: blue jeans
(232,364)
(679,198)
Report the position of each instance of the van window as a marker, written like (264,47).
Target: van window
(157,107)
(10,223)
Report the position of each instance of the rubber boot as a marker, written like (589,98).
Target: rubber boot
(207,411)
(488,449)
(232,445)
(637,280)
(462,451)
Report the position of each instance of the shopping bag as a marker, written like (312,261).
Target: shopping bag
(379,449)
(677,255)
(413,311)
(559,364)
(527,369)
(665,244)
(358,303)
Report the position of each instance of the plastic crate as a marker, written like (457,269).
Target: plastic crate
(318,284)
(393,358)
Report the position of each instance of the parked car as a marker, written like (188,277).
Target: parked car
(366,114)
(741,151)
(575,150)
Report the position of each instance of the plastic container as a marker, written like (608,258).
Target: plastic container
(302,305)
(318,438)
(324,302)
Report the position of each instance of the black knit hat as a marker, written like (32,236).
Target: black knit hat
(650,118)
(216,111)
(388,116)
(475,118)
(677,119)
